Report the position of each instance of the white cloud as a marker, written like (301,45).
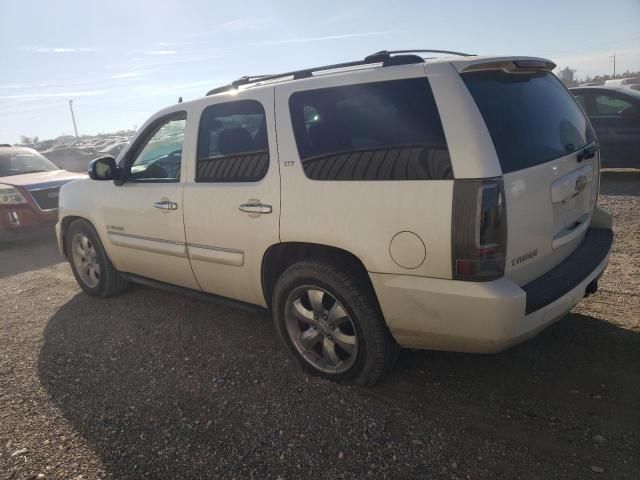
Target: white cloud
(127,75)
(161,52)
(319,39)
(13,86)
(188,86)
(173,44)
(27,96)
(248,23)
(59,49)
(343,16)
(161,61)
(160,89)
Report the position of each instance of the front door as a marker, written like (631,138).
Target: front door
(232,195)
(144,216)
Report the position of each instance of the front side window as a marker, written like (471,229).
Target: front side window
(372,131)
(232,143)
(159,158)
(607,105)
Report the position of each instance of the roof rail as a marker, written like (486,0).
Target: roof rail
(388,53)
(296,74)
(385,57)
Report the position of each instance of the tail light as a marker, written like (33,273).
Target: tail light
(479,229)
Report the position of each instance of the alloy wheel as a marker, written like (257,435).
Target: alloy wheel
(321,329)
(85,259)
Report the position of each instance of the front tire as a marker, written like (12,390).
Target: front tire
(329,320)
(90,264)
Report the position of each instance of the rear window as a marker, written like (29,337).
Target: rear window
(532,118)
(372,131)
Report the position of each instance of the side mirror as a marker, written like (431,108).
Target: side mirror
(104,168)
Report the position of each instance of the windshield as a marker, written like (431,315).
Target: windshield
(18,162)
(532,118)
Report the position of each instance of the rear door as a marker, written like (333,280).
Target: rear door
(550,166)
(616,120)
(232,196)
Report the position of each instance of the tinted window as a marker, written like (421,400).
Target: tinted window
(581,101)
(232,143)
(532,118)
(610,106)
(372,131)
(160,156)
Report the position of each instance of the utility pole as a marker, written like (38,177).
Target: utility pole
(73,117)
(614,64)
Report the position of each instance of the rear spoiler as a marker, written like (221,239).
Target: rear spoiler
(507,64)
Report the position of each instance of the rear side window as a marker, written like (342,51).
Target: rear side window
(232,143)
(606,105)
(532,118)
(373,131)
(582,102)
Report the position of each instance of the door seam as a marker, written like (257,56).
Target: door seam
(275,128)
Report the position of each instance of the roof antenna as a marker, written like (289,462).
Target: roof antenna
(179,99)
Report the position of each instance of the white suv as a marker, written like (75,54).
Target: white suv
(445,203)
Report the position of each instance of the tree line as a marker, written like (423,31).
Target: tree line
(569,78)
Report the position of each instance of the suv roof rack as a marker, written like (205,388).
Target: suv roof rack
(386,57)
(387,53)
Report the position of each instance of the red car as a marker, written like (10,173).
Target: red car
(29,186)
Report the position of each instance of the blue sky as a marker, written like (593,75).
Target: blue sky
(122,60)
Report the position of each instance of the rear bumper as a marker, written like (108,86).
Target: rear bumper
(563,278)
(487,317)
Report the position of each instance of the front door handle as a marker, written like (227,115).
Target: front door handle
(166,205)
(255,208)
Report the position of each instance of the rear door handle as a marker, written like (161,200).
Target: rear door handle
(166,205)
(255,208)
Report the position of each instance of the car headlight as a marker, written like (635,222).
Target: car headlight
(10,195)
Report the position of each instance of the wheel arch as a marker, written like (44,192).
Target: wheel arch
(64,226)
(280,256)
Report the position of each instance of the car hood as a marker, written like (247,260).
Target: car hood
(56,177)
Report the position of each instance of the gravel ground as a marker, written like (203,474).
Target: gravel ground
(154,385)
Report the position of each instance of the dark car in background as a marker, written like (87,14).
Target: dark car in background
(29,186)
(614,113)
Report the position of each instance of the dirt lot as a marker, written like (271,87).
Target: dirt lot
(154,385)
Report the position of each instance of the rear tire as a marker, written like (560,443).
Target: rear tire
(329,320)
(90,264)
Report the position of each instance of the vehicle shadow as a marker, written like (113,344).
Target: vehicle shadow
(620,182)
(27,252)
(176,388)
